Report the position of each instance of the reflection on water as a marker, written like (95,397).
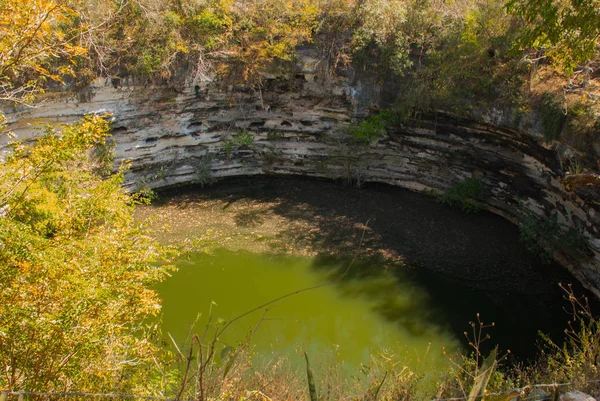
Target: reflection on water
(352,318)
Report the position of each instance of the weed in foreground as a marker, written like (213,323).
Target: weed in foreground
(473,375)
(575,362)
(211,370)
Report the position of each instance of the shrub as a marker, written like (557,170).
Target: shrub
(368,130)
(243,138)
(466,195)
(76,272)
(546,236)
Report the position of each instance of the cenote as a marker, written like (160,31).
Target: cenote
(378,270)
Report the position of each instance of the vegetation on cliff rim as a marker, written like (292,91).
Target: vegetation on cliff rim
(457,56)
(33,47)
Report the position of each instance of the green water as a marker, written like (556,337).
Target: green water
(349,320)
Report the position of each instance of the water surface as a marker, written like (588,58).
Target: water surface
(349,320)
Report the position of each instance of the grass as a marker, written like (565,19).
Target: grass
(577,361)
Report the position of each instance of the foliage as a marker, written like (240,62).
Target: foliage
(546,236)
(204,174)
(368,130)
(143,196)
(225,372)
(243,138)
(102,157)
(454,55)
(265,30)
(582,130)
(231,40)
(76,306)
(471,64)
(466,195)
(380,36)
(31,42)
(565,31)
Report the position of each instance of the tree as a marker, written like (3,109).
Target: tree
(566,31)
(380,37)
(76,303)
(265,30)
(31,44)
(234,40)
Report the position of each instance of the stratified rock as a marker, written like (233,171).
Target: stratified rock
(198,132)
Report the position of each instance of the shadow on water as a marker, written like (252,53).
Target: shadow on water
(465,264)
(393,294)
(344,320)
(518,317)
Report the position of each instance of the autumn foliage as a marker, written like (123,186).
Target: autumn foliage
(75,297)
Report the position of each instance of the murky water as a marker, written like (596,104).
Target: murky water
(348,319)
(425,271)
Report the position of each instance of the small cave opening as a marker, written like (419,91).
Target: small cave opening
(118,130)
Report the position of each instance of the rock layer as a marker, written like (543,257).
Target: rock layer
(197,132)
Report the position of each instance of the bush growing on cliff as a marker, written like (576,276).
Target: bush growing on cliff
(241,139)
(544,236)
(373,127)
(466,195)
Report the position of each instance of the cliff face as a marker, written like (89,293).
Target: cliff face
(196,132)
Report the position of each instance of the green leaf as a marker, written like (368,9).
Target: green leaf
(229,364)
(225,351)
(312,389)
(482,379)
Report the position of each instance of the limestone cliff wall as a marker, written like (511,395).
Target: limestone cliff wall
(191,134)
